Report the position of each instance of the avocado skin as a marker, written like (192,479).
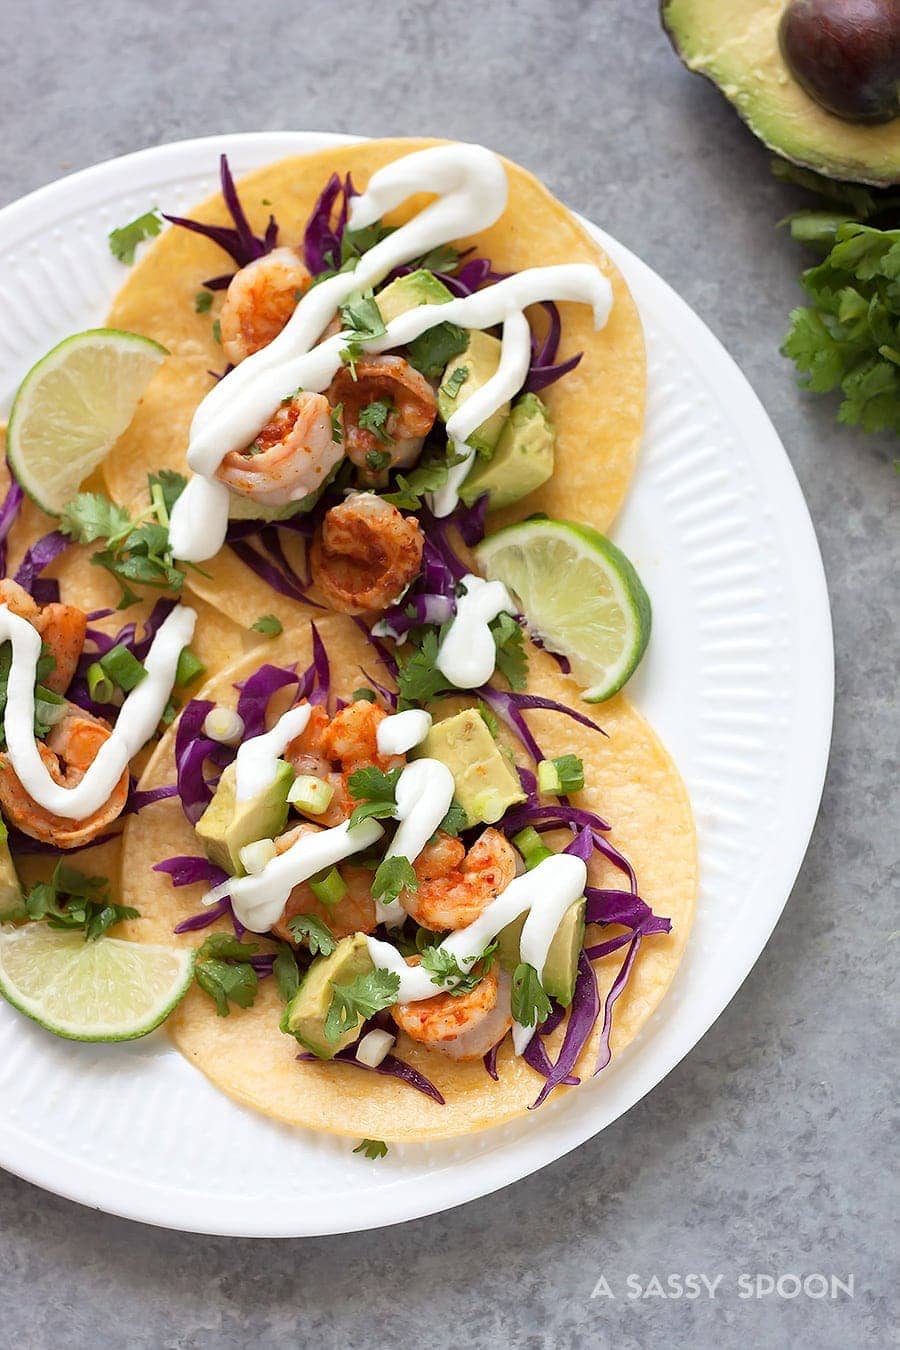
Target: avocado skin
(304,1017)
(855,152)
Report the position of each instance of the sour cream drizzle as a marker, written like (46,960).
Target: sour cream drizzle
(424,794)
(258,901)
(472,190)
(256,765)
(468,653)
(402,731)
(544,893)
(138,717)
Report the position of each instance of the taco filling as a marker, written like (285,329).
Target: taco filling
(423,885)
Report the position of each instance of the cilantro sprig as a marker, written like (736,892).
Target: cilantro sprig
(373,417)
(512,659)
(392,876)
(223,971)
(137,549)
(318,936)
(124,241)
(445,970)
(376,792)
(429,475)
(362,998)
(72,900)
(372,1148)
(530,1004)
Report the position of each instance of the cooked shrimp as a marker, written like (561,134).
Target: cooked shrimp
(463,1026)
(349,740)
(456,886)
(259,301)
(407,410)
(290,458)
(62,628)
(365,554)
(70,749)
(353,913)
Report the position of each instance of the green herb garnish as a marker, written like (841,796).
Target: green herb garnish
(452,385)
(72,900)
(286,972)
(203,302)
(455,821)
(317,935)
(359,1000)
(124,240)
(394,875)
(512,659)
(372,1148)
(223,971)
(373,417)
(269,625)
(530,1004)
(430,352)
(376,791)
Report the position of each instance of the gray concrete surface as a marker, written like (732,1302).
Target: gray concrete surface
(768,1150)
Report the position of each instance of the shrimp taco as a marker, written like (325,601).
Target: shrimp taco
(413,860)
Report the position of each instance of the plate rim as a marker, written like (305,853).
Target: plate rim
(96,1187)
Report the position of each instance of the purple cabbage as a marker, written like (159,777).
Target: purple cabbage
(255,693)
(192,750)
(186,869)
(269,571)
(9,509)
(41,554)
(239,242)
(321,240)
(390,1066)
(543,371)
(583,1014)
(509,706)
(315,682)
(138,798)
(605,1053)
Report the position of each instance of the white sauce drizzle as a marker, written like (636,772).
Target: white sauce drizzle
(468,653)
(471,186)
(545,893)
(424,793)
(402,731)
(256,765)
(258,901)
(138,717)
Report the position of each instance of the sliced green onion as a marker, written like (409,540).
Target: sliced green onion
(100,686)
(223,725)
(124,669)
(565,774)
(362,696)
(310,794)
(532,847)
(49,708)
(488,806)
(188,668)
(329,887)
(255,856)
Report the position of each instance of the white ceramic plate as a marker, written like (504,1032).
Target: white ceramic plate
(738,681)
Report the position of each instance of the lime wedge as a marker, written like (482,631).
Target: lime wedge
(73,406)
(579,594)
(104,990)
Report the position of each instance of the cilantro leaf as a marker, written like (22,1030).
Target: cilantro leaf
(287,975)
(269,625)
(427,476)
(222,972)
(456,820)
(512,660)
(372,1148)
(337,426)
(446,971)
(318,935)
(373,417)
(137,550)
(430,352)
(71,900)
(443,258)
(359,1000)
(361,317)
(530,1004)
(393,875)
(203,302)
(418,678)
(124,240)
(376,791)
(376,460)
(452,385)
(90,516)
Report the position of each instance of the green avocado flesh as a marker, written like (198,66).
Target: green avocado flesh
(480,361)
(227,825)
(304,1017)
(522,461)
(485,784)
(417,288)
(561,966)
(11,901)
(735,44)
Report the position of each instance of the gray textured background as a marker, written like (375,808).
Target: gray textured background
(768,1149)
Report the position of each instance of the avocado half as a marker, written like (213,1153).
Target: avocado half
(734,43)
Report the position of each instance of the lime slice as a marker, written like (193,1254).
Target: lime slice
(104,990)
(73,406)
(579,594)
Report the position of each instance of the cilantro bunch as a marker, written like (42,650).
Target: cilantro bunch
(848,338)
(71,900)
(137,549)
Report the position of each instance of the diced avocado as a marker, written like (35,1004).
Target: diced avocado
(522,461)
(11,902)
(417,288)
(304,1017)
(227,825)
(480,361)
(486,784)
(561,966)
